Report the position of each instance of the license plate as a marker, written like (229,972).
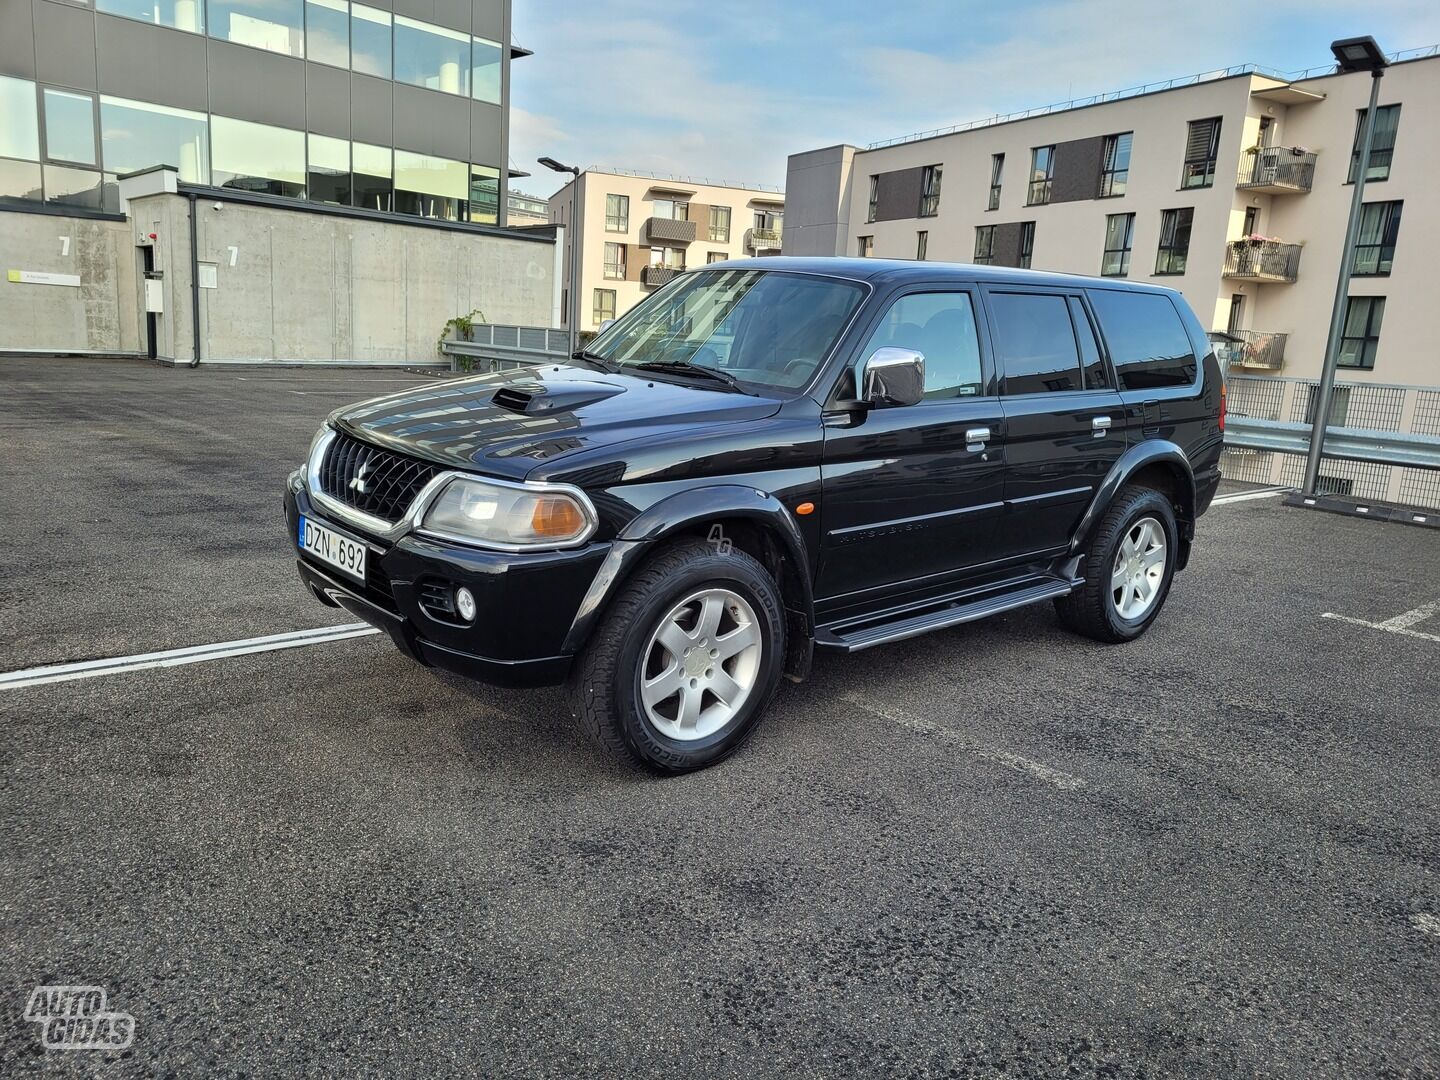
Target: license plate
(330,547)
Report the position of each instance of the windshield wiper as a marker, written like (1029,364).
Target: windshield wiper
(596,359)
(685,367)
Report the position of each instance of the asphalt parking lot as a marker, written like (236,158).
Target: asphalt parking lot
(996,851)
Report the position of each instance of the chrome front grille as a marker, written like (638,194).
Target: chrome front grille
(374,481)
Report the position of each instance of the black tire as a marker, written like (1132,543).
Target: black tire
(1091,610)
(604,685)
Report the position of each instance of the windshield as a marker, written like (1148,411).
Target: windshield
(764,328)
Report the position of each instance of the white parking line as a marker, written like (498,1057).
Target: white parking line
(1246,496)
(192,654)
(1402,624)
(1062,780)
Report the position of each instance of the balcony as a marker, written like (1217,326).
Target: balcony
(1265,261)
(1277,170)
(1256,349)
(669,231)
(760,240)
(659,275)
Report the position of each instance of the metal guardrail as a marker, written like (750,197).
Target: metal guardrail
(499,347)
(1277,169)
(1266,261)
(1346,443)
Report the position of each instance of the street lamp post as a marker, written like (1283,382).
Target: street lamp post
(1352,54)
(572,315)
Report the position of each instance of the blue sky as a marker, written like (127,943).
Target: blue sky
(725,89)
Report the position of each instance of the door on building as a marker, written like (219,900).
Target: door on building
(152,317)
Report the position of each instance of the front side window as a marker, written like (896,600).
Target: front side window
(370,33)
(1202,146)
(135,135)
(1360,337)
(764,328)
(997,174)
(865,246)
(1174,249)
(434,57)
(1035,346)
(1119,235)
(604,307)
(1115,167)
(615,261)
(1027,244)
(874,205)
(720,224)
(1148,343)
(1382,143)
(1375,246)
(327,32)
(617,213)
(273,25)
(984,244)
(69,126)
(180,14)
(257,157)
(1042,169)
(430,186)
(941,327)
(930,190)
(328,177)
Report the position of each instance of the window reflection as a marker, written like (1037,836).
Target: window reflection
(431,56)
(72,187)
(485,68)
(257,157)
(372,176)
(19,181)
(274,25)
(136,135)
(69,126)
(429,186)
(329,178)
(484,194)
(327,32)
(20,133)
(370,40)
(181,14)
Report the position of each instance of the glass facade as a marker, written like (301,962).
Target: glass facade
(327,32)
(370,41)
(20,134)
(273,25)
(257,157)
(484,194)
(373,176)
(431,56)
(485,70)
(430,186)
(181,14)
(69,126)
(135,135)
(328,178)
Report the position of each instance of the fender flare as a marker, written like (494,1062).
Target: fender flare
(1137,457)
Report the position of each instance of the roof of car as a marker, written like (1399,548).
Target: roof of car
(892,271)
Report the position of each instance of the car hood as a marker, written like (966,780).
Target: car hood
(508,423)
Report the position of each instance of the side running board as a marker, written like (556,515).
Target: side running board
(860,634)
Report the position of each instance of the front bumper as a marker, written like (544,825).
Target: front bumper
(526,603)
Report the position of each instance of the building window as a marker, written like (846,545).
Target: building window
(671,210)
(719,224)
(370,35)
(430,186)
(327,178)
(1236,321)
(1202,144)
(604,307)
(1382,143)
(1361,334)
(69,127)
(997,173)
(432,56)
(20,134)
(672,257)
(1115,170)
(373,175)
(1174,240)
(1119,236)
(75,187)
(1027,244)
(874,199)
(1375,246)
(180,14)
(257,157)
(715,256)
(327,32)
(984,244)
(614,261)
(485,67)
(135,135)
(617,213)
(865,246)
(484,195)
(930,191)
(273,25)
(20,181)
(922,241)
(1042,169)
(770,220)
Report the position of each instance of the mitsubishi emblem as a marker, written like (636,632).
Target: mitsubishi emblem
(358,484)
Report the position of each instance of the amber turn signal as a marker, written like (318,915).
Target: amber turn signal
(556,517)
(805,508)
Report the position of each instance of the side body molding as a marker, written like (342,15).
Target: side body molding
(1152,452)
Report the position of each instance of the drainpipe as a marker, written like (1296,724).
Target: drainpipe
(194,282)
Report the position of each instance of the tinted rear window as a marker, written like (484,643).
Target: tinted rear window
(1148,343)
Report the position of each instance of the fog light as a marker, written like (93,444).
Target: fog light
(465,603)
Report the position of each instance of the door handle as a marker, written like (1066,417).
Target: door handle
(1100,425)
(976,438)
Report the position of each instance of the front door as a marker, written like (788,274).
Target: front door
(914,494)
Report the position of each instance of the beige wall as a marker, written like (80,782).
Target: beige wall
(642,191)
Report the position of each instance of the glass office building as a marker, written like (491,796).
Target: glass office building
(400,106)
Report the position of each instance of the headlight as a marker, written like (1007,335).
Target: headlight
(510,517)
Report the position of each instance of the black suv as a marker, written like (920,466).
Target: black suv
(766,457)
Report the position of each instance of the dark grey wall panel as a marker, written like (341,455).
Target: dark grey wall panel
(453,13)
(486,138)
(898,194)
(489,19)
(1077,169)
(151,63)
(64,45)
(416,9)
(1007,244)
(327,100)
(17,37)
(371,119)
(252,84)
(432,122)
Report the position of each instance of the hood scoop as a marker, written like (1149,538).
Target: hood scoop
(534,399)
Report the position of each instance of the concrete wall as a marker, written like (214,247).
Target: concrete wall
(817,191)
(101,315)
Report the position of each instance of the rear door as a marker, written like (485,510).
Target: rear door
(1064,421)
(1155,362)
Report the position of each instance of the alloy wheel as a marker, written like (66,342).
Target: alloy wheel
(700,665)
(1139,569)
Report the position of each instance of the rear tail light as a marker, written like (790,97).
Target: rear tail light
(1222,406)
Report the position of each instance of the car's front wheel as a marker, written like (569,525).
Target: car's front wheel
(684,662)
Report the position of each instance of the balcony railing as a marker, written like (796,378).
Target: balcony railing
(1256,349)
(659,275)
(762,239)
(669,230)
(1277,170)
(1265,261)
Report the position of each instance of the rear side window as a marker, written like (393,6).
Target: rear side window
(1148,343)
(1035,343)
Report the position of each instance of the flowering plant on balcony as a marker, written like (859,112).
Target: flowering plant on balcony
(1255,240)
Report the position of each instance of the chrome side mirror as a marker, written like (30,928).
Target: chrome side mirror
(892,377)
(605,324)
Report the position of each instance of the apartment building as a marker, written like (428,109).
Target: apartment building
(522,209)
(637,231)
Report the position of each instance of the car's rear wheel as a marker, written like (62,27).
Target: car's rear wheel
(685,660)
(1129,566)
